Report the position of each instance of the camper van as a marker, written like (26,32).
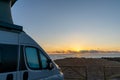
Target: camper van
(21,58)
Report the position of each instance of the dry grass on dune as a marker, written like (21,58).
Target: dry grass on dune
(90,68)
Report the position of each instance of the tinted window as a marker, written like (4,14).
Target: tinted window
(32,57)
(44,60)
(8,57)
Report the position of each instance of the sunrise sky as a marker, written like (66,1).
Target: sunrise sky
(70,24)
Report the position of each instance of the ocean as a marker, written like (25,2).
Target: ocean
(85,55)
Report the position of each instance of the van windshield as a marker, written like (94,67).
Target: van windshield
(8,58)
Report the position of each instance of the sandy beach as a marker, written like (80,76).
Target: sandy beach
(88,68)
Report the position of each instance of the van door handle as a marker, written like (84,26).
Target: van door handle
(9,77)
(25,76)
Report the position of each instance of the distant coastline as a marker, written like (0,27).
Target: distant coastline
(85,55)
(84,51)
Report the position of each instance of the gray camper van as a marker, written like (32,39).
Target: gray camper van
(21,58)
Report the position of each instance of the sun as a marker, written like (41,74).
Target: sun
(77,49)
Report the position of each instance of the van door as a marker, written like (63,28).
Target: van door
(37,65)
(8,62)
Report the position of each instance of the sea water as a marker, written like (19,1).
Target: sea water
(85,55)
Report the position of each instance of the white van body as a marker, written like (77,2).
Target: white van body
(21,58)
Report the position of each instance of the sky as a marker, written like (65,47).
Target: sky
(70,24)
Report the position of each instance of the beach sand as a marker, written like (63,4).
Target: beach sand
(88,68)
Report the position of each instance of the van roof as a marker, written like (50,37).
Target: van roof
(9,26)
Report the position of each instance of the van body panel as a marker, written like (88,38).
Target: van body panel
(22,39)
(7,37)
(42,75)
(5,76)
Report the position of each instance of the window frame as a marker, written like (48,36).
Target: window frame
(39,51)
(27,64)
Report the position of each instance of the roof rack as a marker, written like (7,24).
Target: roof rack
(10,26)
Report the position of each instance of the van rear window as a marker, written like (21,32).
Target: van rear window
(8,58)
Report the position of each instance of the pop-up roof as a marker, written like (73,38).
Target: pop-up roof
(6,17)
(5,10)
(12,2)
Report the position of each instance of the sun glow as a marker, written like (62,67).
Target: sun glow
(77,49)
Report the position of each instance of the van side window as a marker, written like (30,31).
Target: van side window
(44,60)
(8,58)
(32,57)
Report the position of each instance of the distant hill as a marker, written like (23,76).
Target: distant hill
(112,59)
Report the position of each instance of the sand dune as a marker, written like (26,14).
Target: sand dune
(88,68)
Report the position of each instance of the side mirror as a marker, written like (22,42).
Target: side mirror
(50,65)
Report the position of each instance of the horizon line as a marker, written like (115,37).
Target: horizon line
(84,51)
